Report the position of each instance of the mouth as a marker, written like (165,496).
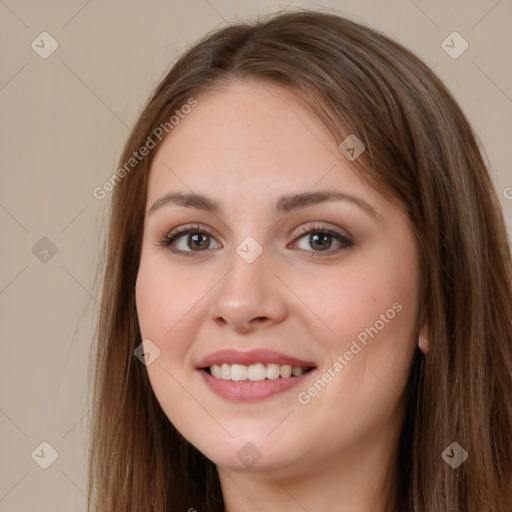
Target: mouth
(252,375)
(255,372)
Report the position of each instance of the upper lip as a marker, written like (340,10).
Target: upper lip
(231,356)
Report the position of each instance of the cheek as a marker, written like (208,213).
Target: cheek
(365,313)
(347,304)
(164,302)
(368,315)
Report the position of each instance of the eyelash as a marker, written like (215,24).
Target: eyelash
(169,239)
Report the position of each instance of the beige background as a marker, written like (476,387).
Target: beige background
(64,122)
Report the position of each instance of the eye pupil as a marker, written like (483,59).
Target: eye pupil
(318,238)
(201,238)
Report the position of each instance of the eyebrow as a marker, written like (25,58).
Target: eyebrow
(284,204)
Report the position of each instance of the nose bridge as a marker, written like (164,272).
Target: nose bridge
(247,280)
(247,294)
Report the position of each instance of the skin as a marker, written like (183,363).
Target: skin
(245,145)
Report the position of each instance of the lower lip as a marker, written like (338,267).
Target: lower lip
(249,391)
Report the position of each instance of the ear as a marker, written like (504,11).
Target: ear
(423,340)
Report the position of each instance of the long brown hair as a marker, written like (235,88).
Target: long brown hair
(422,152)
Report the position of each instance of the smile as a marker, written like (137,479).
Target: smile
(255,372)
(252,375)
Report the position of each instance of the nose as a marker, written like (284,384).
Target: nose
(249,296)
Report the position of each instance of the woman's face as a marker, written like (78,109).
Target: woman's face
(267,261)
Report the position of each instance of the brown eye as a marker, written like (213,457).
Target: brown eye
(187,240)
(320,239)
(197,241)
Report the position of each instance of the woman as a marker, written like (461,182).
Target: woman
(307,299)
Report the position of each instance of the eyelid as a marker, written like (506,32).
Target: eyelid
(185,228)
(324,226)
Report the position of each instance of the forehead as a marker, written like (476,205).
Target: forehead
(250,138)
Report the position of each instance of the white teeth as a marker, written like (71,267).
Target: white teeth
(238,372)
(225,371)
(297,370)
(216,371)
(273,371)
(255,372)
(286,371)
